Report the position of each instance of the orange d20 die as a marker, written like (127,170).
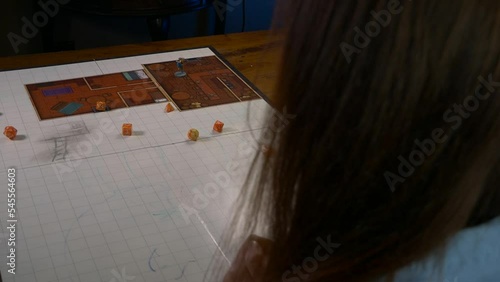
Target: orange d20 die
(100,106)
(218,125)
(10,132)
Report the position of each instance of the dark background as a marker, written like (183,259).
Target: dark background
(74,30)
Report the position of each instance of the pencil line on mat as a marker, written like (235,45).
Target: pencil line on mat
(213,239)
(146,148)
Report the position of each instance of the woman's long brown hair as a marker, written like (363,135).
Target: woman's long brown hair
(394,144)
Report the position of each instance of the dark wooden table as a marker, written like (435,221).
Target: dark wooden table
(255,54)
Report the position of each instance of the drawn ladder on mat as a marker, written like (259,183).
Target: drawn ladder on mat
(60,149)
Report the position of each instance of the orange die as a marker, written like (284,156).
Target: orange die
(169,108)
(193,134)
(218,126)
(10,132)
(100,106)
(127,129)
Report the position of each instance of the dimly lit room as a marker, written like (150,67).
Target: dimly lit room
(250,141)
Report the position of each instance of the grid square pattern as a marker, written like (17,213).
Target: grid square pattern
(94,205)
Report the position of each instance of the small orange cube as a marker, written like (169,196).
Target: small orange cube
(193,134)
(169,108)
(10,132)
(218,125)
(127,129)
(100,106)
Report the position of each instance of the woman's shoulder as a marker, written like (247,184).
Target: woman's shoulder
(472,255)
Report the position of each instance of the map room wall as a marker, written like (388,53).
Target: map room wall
(80,31)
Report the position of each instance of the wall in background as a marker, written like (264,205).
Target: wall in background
(258,15)
(11,26)
(79,31)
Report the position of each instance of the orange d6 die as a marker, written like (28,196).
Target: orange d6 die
(193,134)
(10,132)
(218,125)
(127,129)
(100,106)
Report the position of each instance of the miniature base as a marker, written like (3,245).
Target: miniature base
(180,74)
